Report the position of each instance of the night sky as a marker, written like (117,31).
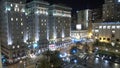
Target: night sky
(78,4)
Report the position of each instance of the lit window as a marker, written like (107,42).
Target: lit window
(45,23)
(42,20)
(45,20)
(104,27)
(27,27)
(20,2)
(23,10)
(15,9)
(13,47)
(113,31)
(22,32)
(37,12)
(46,13)
(113,27)
(21,19)
(11,5)
(42,24)
(16,5)
(16,19)
(11,19)
(18,46)
(100,27)
(7,8)
(118,27)
(108,27)
(58,21)
(96,30)
(18,9)
(21,24)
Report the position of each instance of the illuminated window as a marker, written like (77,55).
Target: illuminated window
(45,23)
(23,10)
(21,23)
(27,27)
(11,5)
(16,19)
(7,8)
(118,27)
(18,46)
(45,20)
(13,47)
(100,27)
(113,27)
(11,19)
(16,5)
(15,9)
(18,9)
(96,30)
(21,19)
(108,27)
(104,27)
(113,31)
(42,20)
(42,24)
(22,32)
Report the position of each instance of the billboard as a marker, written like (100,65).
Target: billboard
(52,47)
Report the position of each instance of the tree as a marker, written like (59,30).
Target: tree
(50,60)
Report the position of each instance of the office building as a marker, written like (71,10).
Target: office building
(34,24)
(13,20)
(82,17)
(111,11)
(37,23)
(107,31)
(59,24)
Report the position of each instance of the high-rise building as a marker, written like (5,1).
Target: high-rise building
(37,22)
(59,23)
(13,20)
(111,10)
(82,17)
(108,30)
(94,16)
(33,24)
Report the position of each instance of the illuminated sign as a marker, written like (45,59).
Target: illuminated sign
(52,47)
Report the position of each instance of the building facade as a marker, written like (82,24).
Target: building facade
(111,11)
(59,24)
(35,24)
(107,31)
(82,17)
(13,20)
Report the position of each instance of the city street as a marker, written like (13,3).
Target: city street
(94,63)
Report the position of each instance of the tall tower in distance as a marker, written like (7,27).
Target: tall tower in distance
(82,16)
(111,11)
